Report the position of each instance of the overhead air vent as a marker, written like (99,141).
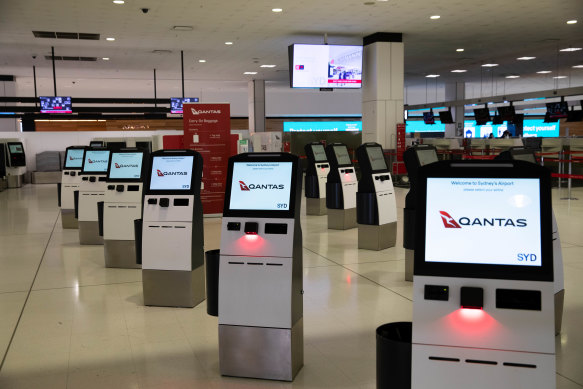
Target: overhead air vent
(69,58)
(66,35)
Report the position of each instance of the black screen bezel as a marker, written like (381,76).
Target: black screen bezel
(485,169)
(173,153)
(263,157)
(67,154)
(142,170)
(83,172)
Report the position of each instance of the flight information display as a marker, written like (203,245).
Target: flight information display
(171,173)
(74,158)
(96,161)
(55,104)
(261,186)
(126,165)
(177,102)
(16,149)
(319,153)
(502,213)
(376,158)
(342,156)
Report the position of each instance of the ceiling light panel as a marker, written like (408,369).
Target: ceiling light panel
(489,65)
(569,49)
(459,71)
(525,58)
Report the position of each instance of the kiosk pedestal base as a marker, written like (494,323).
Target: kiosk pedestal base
(316,207)
(15,181)
(409,261)
(559,302)
(341,219)
(3,184)
(89,233)
(120,254)
(68,220)
(371,237)
(260,352)
(173,288)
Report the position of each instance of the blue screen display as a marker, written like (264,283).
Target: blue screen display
(321,126)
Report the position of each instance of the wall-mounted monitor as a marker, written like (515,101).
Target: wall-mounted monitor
(126,165)
(342,157)
(96,161)
(557,110)
(445,117)
(55,104)
(482,116)
(428,117)
(74,158)
(325,66)
(171,173)
(177,102)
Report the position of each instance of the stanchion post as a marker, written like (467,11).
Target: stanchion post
(561,167)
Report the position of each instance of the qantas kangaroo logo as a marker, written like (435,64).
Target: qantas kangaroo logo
(117,166)
(160,174)
(243,186)
(89,159)
(448,221)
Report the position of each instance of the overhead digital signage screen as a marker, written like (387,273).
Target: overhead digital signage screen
(55,104)
(171,173)
(325,66)
(126,165)
(177,102)
(503,213)
(530,128)
(74,158)
(376,158)
(412,126)
(261,186)
(319,153)
(96,161)
(321,126)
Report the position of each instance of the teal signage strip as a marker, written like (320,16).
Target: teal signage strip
(321,126)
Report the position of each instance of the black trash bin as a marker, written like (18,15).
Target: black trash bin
(394,355)
(212,282)
(138,223)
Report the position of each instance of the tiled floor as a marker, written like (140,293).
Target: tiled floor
(68,322)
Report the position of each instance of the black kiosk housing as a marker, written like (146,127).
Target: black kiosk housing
(16,156)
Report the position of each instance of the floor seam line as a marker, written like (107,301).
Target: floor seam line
(84,286)
(569,379)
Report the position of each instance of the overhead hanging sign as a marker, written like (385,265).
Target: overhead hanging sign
(321,126)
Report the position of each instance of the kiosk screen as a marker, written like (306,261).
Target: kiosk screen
(319,153)
(96,161)
(503,213)
(171,173)
(15,149)
(263,186)
(342,155)
(528,157)
(376,158)
(126,165)
(74,158)
(426,157)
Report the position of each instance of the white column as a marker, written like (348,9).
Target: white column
(382,88)
(455,91)
(256,101)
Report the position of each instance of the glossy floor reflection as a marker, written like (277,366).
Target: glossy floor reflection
(68,322)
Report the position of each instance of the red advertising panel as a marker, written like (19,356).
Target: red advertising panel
(399,166)
(207,129)
(172,142)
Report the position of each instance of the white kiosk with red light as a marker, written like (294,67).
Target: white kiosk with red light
(260,277)
(483,298)
(70,182)
(122,205)
(341,187)
(316,176)
(172,232)
(91,191)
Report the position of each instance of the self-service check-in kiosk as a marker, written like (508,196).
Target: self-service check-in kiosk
(483,305)
(16,164)
(172,234)
(122,205)
(341,187)
(414,158)
(376,206)
(91,191)
(260,277)
(316,175)
(70,182)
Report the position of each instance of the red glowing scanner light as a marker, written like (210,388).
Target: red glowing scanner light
(251,228)
(471,297)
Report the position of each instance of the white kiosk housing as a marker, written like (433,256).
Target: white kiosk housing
(317,171)
(70,182)
(91,191)
(376,206)
(260,277)
(341,187)
(122,205)
(16,166)
(172,234)
(483,297)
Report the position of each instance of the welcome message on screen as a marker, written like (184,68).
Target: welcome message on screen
(493,221)
(261,186)
(126,165)
(171,173)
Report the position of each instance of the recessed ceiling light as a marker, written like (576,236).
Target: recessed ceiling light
(571,21)
(525,58)
(182,28)
(434,17)
(432,75)
(250,73)
(123,2)
(489,65)
(513,76)
(578,66)
(268,66)
(459,71)
(560,77)
(459,50)
(105,58)
(110,39)
(202,60)
(228,43)
(277,10)
(571,49)
(544,71)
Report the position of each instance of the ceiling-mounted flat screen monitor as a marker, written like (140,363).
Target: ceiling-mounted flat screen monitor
(557,110)
(319,153)
(126,165)
(482,116)
(428,118)
(55,104)
(96,161)
(507,113)
(325,66)
(177,102)
(445,117)
(497,120)
(171,173)
(342,156)
(575,116)
(74,158)
(550,119)
(376,158)
(261,186)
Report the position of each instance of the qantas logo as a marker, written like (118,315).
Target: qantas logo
(117,166)
(249,187)
(450,222)
(97,160)
(162,174)
(198,112)
(72,159)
